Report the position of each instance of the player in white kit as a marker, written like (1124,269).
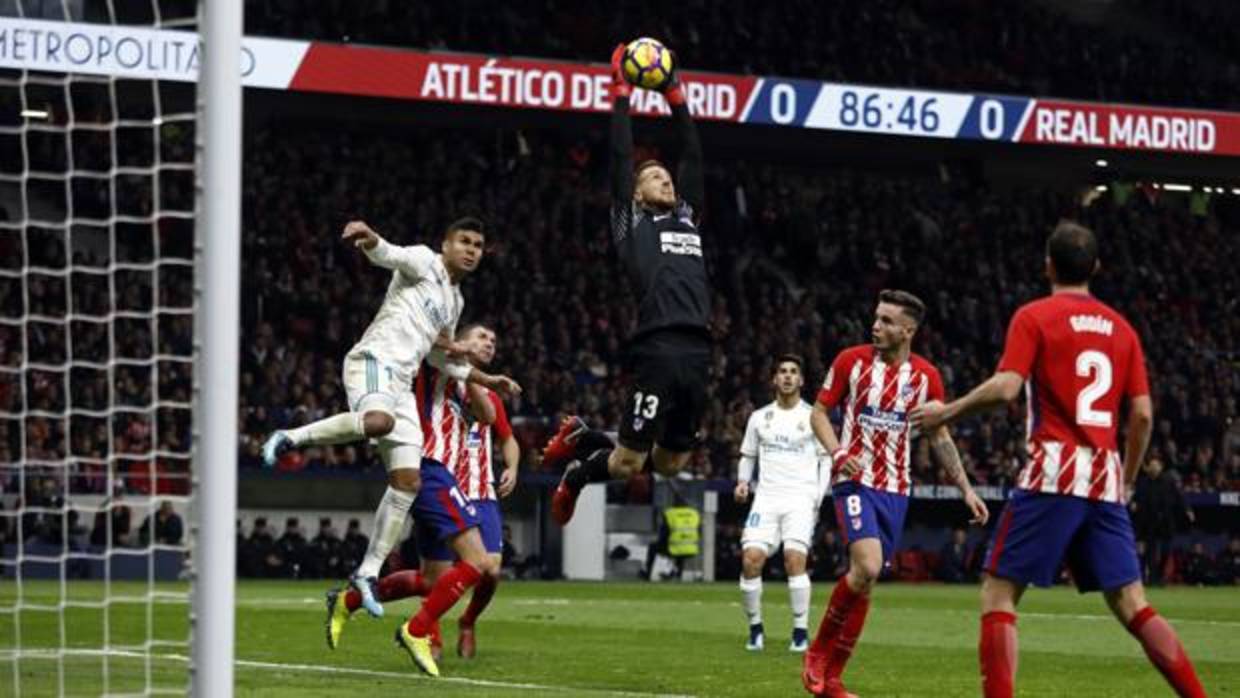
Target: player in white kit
(416,322)
(793,477)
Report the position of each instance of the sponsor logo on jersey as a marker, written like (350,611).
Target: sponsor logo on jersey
(438,316)
(890,420)
(680,243)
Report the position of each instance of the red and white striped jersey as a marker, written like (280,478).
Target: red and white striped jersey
(474,475)
(876,401)
(1080,360)
(441,403)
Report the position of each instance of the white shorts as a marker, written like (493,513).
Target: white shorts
(780,519)
(372,385)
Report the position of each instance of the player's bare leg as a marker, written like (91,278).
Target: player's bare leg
(1157,638)
(466,640)
(342,428)
(997,643)
(415,635)
(404,481)
(753,559)
(843,620)
(799,593)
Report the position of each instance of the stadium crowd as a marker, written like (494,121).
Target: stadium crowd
(1020,47)
(798,260)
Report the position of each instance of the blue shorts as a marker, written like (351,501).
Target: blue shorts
(864,512)
(490,525)
(1036,532)
(440,512)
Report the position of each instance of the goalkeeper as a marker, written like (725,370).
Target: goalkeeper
(656,236)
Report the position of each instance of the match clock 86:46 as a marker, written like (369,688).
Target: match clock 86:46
(884,110)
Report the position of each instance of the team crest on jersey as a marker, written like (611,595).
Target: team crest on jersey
(769,415)
(907,391)
(856,524)
(800,426)
(638,423)
(473,510)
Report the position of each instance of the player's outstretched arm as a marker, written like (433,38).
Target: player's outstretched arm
(462,371)
(999,389)
(414,262)
(621,150)
(690,178)
(480,404)
(1137,438)
(946,455)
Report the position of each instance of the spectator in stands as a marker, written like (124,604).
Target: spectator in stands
(1158,509)
(240,553)
(728,551)
(1198,568)
(323,559)
(40,492)
(261,558)
(117,513)
(168,526)
(830,562)
(292,548)
(355,544)
(4,524)
(953,566)
(1229,562)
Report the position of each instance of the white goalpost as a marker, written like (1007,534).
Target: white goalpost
(120,218)
(219,237)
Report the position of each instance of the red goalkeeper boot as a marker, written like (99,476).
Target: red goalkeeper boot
(561,447)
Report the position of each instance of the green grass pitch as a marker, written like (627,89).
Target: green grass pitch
(610,639)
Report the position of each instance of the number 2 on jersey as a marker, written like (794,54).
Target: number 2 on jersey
(1093,363)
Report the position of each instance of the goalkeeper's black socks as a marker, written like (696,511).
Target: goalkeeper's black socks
(593,449)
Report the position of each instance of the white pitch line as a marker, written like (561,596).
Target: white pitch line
(252,664)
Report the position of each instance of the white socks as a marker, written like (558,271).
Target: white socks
(799,595)
(751,599)
(343,428)
(389,522)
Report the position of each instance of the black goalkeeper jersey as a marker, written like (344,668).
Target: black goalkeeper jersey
(661,251)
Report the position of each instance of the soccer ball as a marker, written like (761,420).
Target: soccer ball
(647,63)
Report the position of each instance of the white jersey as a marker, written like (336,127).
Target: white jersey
(786,449)
(422,302)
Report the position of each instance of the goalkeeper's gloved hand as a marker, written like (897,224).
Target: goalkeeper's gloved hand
(672,91)
(619,86)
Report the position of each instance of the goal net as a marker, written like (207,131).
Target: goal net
(97,348)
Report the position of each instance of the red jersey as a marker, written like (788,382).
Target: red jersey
(876,401)
(473,471)
(1080,359)
(442,405)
